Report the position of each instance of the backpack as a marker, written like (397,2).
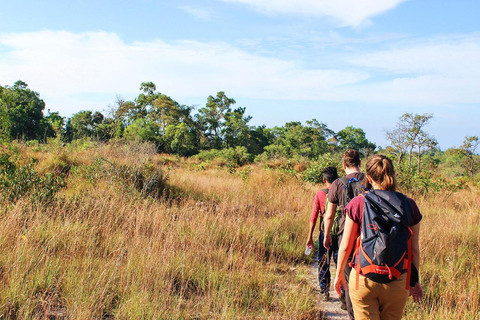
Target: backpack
(351,188)
(383,250)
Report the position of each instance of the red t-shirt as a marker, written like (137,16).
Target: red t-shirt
(318,205)
(354,210)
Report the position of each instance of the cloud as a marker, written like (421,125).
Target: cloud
(199,13)
(347,12)
(65,65)
(75,71)
(428,71)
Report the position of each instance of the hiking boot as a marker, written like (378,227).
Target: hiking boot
(343,303)
(326,296)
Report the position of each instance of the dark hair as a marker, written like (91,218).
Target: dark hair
(380,169)
(330,174)
(351,158)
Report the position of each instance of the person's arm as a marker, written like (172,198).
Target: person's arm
(346,246)
(310,234)
(328,223)
(313,220)
(417,291)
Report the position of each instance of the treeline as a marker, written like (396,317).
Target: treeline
(173,127)
(221,129)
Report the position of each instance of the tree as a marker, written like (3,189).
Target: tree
(236,131)
(355,138)
(424,143)
(409,134)
(211,118)
(469,148)
(21,112)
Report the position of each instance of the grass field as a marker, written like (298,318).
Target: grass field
(120,232)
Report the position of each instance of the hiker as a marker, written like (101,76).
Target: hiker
(378,284)
(341,192)
(320,203)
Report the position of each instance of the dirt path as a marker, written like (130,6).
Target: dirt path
(328,309)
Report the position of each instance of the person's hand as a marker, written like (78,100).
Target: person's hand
(309,242)
(327,241)
(340,282)
(417,292)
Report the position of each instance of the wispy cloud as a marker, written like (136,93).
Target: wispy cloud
(347,12)
(198,12)
(64,66)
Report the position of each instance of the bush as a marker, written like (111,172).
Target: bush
(230,158)
(17,181)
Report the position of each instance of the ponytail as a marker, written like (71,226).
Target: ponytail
(380,169)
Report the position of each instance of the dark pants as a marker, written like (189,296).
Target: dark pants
(324,256)
(347,277)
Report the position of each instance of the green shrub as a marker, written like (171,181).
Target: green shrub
(17,181)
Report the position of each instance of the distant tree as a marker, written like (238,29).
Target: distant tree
(53,125)
(211,119)
(424,143)
(85,124)
(355,138)
(469,148)
(296,139)
(236,131)
(409,134)
(21,112)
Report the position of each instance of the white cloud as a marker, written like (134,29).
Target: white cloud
(347,12)
(433,71)
(86,70)
(198,12)
(65,65)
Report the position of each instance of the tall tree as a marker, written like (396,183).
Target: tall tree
(409,129)
(211,118)
(469,147)
(22,109)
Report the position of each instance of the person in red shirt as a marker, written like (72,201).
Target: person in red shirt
(324,278)
(375,300)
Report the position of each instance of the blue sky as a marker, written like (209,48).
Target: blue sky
(345,62)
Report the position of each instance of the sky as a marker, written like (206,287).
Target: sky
(360,63)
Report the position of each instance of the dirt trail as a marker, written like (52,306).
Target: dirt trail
(328,309)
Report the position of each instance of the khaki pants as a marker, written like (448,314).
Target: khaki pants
(375,300)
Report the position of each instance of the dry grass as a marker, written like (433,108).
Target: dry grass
(221,245)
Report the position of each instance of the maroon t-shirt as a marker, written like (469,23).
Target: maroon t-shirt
(336,189)
(354,210)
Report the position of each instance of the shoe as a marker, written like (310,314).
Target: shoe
(326,296)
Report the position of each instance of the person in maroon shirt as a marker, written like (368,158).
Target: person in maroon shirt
(375,300)
(351,165)
(329,175)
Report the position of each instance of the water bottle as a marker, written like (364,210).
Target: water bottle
(308,250)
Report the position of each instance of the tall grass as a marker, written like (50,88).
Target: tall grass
(208,244)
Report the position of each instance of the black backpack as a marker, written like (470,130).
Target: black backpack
(351,188)
(383,251)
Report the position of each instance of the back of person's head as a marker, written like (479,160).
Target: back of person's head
(351,158)
(380,169)
(330,174)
